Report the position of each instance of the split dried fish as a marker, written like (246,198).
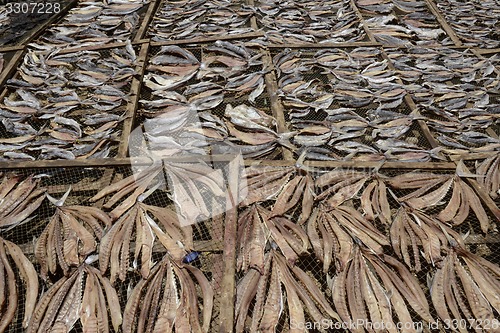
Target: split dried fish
(288,186)
(69,237)
(281,287)
(430,191)
(489,175)
(185,88)
(19,198)
(84,295)
(189,19)
(402,22)
(377,289)
(466,287)
(455,91)
(257,227)
(170,300)
(93,22)
(414,234)
(476,23)
(115,246)
(333,234)
(351,80)
(332,21)
(10,292)
(61,94)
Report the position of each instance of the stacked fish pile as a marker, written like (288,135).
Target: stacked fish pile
(457,91)
(346,106)
(332,21)
(188,19)
(185,91)
(371,232)
(93,22)
(402,22)
(476,22)
(66,106)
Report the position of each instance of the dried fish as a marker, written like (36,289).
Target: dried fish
(374,288)
(489,175)
(91,23)
(427,196)
(332,21)
(18,199)
(115,245)
(9,291)
(170,300)
(191,19)
(473,22)
(61,104)
(83,295)
(69,237)
(332,234)
(282,278)
(466,285)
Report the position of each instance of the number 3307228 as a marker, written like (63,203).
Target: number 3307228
(33,8)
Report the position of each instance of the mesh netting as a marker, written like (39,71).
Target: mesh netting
(192,19)
(90,114)
(403,23)
(86,182)
(219,76)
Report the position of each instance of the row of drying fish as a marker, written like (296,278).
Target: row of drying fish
(415,25)
(9,293)
(337,233)
(91,23)
(332,21)
(475,22)
(18,199)
(465,287)
(19,19)
(189,19)
(73,235)
(270,245)
(185,91)
(331,131)
(408,221)
(66,106)
(458,112)
(489,172)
